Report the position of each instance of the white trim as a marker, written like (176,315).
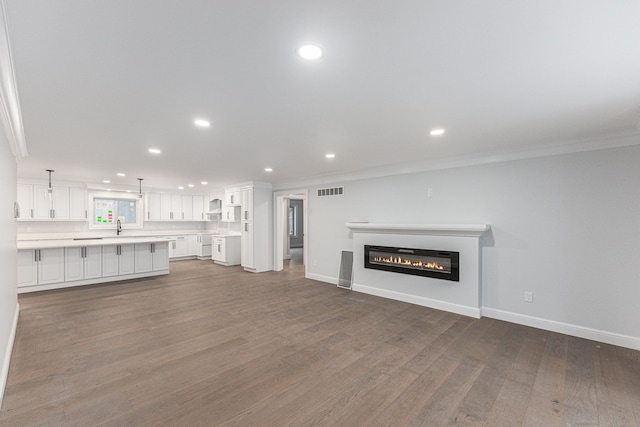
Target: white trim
(425,302)
(62,285)
(321,278)
(529,152)
(564,328)
(10,112)
(460,230)
(7,356)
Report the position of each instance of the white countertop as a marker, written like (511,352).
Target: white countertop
(71,243)
(137,234)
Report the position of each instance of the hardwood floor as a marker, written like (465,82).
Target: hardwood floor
(212,345)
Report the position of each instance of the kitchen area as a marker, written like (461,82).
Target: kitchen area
(73,234)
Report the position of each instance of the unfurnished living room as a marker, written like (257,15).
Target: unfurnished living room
(341,213)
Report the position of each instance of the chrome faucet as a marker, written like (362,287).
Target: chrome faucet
(118,227)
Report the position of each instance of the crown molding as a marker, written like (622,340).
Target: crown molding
(10,113)
(533,151)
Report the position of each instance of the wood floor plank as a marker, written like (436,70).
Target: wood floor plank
(214,345)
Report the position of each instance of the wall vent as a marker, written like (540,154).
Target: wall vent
(335,191)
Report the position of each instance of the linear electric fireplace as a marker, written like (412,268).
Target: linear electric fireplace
(418,262)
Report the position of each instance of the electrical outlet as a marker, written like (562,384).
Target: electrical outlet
(429,192)
(528,297)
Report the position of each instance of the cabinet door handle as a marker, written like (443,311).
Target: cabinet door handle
(31,212)
(39,255)
(219,248)
(16,210)
(246,227)
(86,214)
(148,215)
(153,248)
(35,252)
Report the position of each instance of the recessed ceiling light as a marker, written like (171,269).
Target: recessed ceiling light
(310,52)
(120,174)
(330,155)
(268,170)
(128,191)
(181,188)
(204,183)
(436,132)
(154,151)
(106,181)
(191,185)
(202,123)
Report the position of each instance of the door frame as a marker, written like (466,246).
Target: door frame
(280,216)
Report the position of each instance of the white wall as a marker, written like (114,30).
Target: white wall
(8,280)
(566,228)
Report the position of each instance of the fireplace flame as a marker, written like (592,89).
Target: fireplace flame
(403,261)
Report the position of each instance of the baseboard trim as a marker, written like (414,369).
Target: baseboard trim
(425,302)
(564,328)
(7,357)
(321,278)
(62,285)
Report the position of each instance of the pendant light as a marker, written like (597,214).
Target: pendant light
(50,189)
(140,188)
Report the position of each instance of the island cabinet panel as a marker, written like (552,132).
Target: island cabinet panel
(151,257)
(117,260)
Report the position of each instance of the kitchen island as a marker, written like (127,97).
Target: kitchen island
(61,263)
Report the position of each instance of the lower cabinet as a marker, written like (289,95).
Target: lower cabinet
(179,247)
(117,260)
(40,267)
(82,263)
(151,257)
(55,267)
(226,250)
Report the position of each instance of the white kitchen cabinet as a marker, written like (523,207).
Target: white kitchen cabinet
(247,204)
(192,241)
(257,228)
(233,197)
(203,246)
(82,263)
(78,199)
(50,206)
(50,266)
(166,214)
(179,248)
(40,267)
(151,257)
(25,202)
(231,214)
(117,260)
(154,212)
(247,245)
(225,250)
(186,204)
(27,261)
(198,208)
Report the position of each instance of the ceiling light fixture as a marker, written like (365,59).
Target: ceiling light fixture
(330,155)
(120,174)
(310,52)
(268,170)
(204,183)
(202,123)
(140,187)
(191,185)
(50,189)
(181,188)
(106,181)
(436,132)
(154,151)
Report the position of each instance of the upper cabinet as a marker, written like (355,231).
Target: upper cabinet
(175,207)
(39,203)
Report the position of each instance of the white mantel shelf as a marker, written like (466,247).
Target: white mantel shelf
(460,230)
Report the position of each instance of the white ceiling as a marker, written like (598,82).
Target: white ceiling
(100,82)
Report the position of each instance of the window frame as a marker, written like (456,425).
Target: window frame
(115,195)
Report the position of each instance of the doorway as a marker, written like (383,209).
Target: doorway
(290,230)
